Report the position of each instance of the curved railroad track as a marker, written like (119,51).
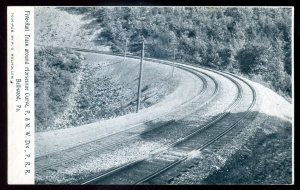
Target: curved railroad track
(145,169)
(43,163)
(145,163)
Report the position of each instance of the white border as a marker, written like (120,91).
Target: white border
(20,166)
(293,96)
(16,120)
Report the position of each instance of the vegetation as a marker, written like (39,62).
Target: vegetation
(55,70)
(265,159)
(255,42)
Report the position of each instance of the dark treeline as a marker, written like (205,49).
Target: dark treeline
(255,42)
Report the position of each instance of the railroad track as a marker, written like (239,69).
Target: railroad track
(86,149)
(134,168)
(154,163)
(205,141)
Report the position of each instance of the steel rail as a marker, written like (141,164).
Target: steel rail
(71,158)
(239,96)
(173,144)
(153,175)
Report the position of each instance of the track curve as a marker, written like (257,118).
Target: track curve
(53,159)
(134,167)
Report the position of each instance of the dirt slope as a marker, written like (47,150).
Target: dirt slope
(54,27)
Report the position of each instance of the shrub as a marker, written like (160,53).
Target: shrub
(55,71)
(249,59)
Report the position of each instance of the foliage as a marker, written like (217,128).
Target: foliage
(55,70)
(246,40)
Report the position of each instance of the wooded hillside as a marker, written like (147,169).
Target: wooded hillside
(255,42)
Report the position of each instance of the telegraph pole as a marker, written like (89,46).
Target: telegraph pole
(173,58)
(125,50)
(173,62)
(140,78)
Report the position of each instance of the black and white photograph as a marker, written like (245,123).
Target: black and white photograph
(162,95)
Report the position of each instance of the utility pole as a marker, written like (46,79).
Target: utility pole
(173,58)
(173,62)
(125,50)
(140,79)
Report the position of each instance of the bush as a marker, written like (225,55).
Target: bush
(249,59)
(55,71)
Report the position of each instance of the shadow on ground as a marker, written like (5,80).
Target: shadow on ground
(266,158)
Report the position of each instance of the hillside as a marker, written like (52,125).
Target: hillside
(73,90)
(57,72)
(253,42)
(58,28)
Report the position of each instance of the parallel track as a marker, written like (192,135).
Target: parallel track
(109,173)
(141,162)
(233,126)
(89,152)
